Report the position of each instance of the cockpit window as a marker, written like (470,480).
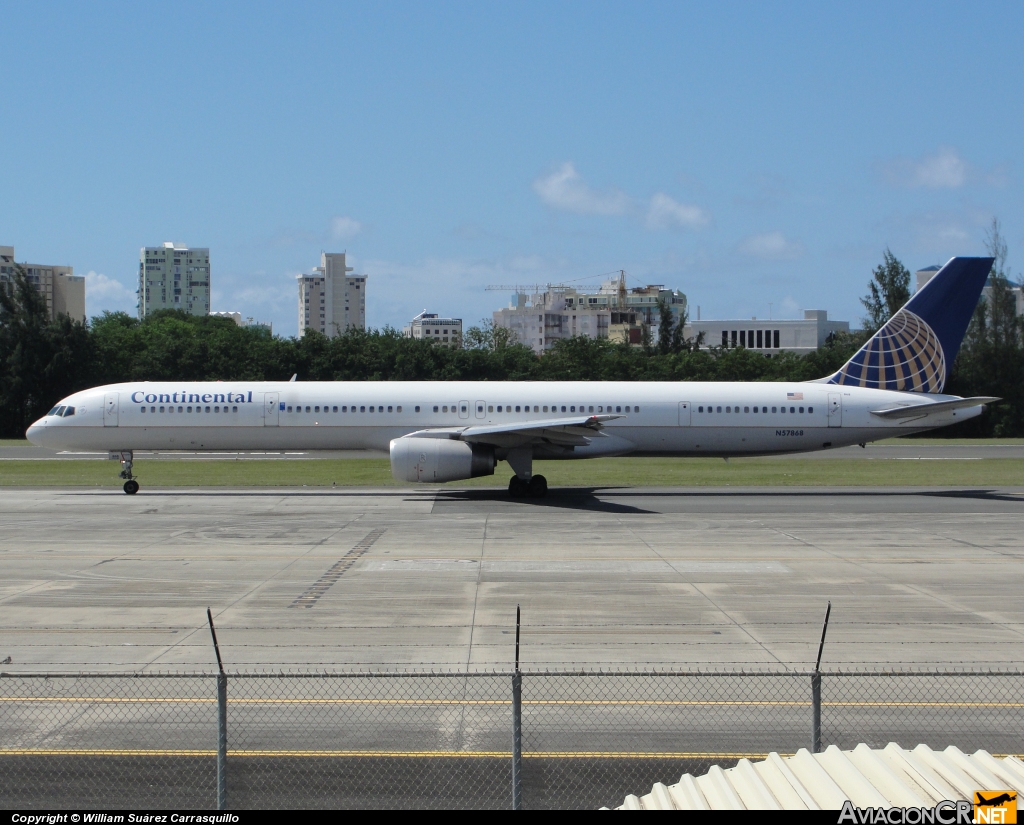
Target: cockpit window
(59,411)
(69,411)
(53,411)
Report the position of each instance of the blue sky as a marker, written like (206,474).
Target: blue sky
(746,154)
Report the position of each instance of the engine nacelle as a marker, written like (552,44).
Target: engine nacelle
(439,459)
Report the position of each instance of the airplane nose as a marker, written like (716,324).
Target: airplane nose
(35,433)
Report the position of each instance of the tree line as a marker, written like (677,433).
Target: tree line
(43,360)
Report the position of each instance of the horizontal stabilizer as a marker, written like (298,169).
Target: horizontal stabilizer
(918,410)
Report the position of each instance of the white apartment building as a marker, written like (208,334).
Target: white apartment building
(926,274)
(539,319)
(231,316)
(173,276)
(431,327)
(330,300)
(770,337)
(244,322)
(63,290)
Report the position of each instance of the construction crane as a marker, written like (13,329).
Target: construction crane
(534,288)
(620,287)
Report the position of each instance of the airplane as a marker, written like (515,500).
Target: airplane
(441,431)
(996,800)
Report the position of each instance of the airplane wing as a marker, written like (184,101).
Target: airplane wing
(567,432)
(919,410)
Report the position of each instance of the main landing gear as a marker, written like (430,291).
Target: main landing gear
(131,486)
(524,484)
(536,487)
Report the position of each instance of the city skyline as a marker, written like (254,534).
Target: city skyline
(744,156)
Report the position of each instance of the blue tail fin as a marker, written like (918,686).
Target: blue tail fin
(915,349)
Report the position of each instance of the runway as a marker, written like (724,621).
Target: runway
(357,579)
(392,578)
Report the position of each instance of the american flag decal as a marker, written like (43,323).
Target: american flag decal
(794,396)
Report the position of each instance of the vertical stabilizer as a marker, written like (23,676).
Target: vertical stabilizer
(915,349)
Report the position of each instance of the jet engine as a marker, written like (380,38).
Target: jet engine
(439,459)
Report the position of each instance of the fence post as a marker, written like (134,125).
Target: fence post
(517,729)
(222,742)
(816,712)
(222,723)
(816,689)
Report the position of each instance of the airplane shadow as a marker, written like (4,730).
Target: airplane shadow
(565,498)
(983,495)
(820,493)
(595,498)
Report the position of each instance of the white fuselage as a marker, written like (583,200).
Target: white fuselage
(667,419)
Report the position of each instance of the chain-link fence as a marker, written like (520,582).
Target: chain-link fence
(428,740)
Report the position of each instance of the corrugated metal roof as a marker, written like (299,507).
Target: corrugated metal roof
(890,777)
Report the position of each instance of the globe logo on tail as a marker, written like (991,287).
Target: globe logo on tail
(905,355)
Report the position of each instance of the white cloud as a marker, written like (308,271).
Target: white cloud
(100,286)
(102,293)
(772,246)
(945,169)
(667,213)
(937,233)
(344,227)
(565,189)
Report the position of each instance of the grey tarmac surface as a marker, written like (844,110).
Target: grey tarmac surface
(361,577)
(887,450)
(405,580)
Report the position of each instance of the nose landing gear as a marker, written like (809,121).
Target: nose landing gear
(131,486)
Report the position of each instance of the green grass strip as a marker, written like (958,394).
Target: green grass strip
(599,472)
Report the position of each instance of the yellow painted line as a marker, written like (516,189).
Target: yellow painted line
(923,704)
(101,752)
(388,754)
(101,700)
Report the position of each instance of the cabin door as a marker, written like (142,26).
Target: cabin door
(270,409)
(684,413)
(835,409)
(110,409)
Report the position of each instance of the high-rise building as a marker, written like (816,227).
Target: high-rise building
(173,276)
(63,290)
(330,300)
